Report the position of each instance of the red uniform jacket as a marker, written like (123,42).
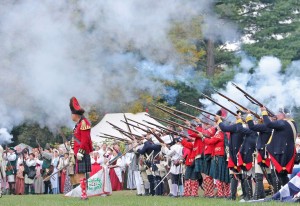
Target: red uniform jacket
(217,143)
(188,152)
(210,132)
(198,144)
(82,137)
(196,147)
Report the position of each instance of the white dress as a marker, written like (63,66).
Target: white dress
(54,179)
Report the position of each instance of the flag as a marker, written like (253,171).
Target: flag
(288,193)
(98,185)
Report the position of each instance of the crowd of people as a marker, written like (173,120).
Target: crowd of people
(214,157)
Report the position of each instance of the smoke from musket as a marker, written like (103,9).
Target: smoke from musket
(94,50)
(5,137)
(267,84)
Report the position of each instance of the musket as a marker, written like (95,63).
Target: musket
(239,105)
(135,135)
(119,129)
(64,140)
(178,117)
(162,179)
(142,124)
(210,99)
(174,123)
(253,100)
(119,156)
(112,137)
(149,130)
(179,112)
(47,178)
(39,148)
(168,111)
(123,132)
(197,108)
(129,130)
(166,129)
(118,140)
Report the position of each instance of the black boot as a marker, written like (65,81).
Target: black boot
(247,188)
(275,180)
(259,192)
(147,192)
(250,188)
(242,179)
(233,187)
(152,184)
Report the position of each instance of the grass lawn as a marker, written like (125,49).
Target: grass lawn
(117,199)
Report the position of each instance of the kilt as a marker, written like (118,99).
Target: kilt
(219,169)
(84,165)
(198,164)
(191,174)
(206,165)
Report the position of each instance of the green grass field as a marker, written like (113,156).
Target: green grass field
(117,199)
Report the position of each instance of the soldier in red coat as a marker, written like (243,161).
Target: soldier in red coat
(81,143)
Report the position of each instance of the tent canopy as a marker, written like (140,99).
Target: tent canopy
(22,146)
(115,118)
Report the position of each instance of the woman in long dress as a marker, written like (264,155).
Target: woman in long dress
(38,181)
(20,185)
(65,183)
(96,162)
(115,172)
(54,179)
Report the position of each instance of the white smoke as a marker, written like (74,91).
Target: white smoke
(5,137)
(53,50)
(267,84)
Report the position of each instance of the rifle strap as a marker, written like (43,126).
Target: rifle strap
(293,128)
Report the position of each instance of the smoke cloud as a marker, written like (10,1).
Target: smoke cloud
(267,84)
(51,51)
(5,137)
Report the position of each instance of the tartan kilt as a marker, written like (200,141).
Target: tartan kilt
(190,173)
(84,165)
(207,164)
(219,169)
(198,164)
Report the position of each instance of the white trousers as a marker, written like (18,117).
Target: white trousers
(139,183)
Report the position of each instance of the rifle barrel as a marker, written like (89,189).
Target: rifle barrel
(197,108)
(166,129)
(207,97)
(241,106)
(119,129)
(174,123)
(252,99)
(141,124)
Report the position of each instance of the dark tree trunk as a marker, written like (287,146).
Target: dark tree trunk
(210,70)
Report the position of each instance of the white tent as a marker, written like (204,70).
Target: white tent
(115,118)
(22,146)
